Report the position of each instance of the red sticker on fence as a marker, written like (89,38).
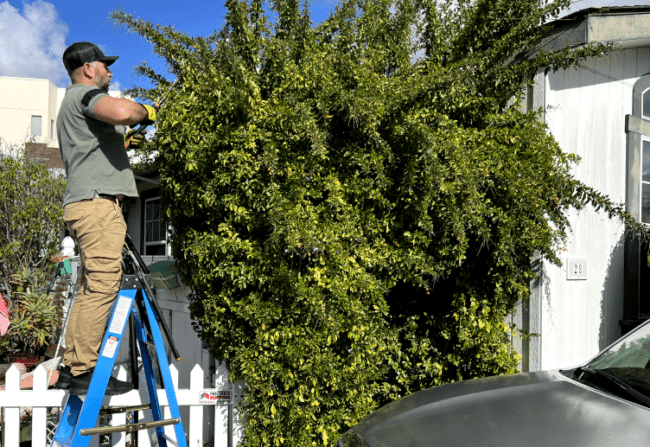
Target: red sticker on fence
(212,396)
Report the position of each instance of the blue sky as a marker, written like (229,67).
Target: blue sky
(34,34)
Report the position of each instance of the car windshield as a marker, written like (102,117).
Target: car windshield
(628,360)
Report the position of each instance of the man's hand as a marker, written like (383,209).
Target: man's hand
(151,115)
(137,139)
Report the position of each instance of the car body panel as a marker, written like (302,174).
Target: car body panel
(529,409)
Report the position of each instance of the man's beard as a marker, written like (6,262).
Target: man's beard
(103,85)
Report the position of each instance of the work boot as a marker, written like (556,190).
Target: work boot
(65,377)
(79,385)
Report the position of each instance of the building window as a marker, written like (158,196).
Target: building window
(645,179)
(37,125)
(644,283)
(51,129)
(636,305)
(155,228)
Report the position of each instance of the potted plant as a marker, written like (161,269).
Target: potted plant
(35,318)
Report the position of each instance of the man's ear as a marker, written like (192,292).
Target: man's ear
(88,70)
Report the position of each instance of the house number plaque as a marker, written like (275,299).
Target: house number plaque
(576,268)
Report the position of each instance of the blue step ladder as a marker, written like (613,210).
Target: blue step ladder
(79,416)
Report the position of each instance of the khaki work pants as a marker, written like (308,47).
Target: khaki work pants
(98,227)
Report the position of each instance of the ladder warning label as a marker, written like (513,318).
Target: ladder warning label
(111,347)
(121,313)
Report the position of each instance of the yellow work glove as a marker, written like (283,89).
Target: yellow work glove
(151,115)
(137,139)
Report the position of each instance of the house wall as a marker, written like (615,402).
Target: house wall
(585,111)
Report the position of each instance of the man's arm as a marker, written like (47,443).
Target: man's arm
(119,111)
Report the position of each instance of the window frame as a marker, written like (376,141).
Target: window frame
(636,309)
(161,224)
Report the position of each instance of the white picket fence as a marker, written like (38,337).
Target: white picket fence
(219,415)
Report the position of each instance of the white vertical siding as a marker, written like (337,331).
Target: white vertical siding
(586,108)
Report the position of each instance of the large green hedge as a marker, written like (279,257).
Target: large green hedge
(356,203)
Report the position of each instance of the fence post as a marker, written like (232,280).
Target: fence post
(39,415)
(196,411)
(12,414)
(221,429)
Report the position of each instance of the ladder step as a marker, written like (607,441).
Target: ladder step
(116,410)
(128,428)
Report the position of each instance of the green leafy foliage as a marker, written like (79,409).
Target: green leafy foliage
(35,315)
(356,203)
(31,214)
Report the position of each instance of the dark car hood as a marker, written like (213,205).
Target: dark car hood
(533,409)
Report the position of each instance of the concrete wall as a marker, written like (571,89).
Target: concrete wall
(585,111)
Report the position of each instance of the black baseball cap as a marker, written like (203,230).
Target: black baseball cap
(79,53)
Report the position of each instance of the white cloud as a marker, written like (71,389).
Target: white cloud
(115,86)
(32,42)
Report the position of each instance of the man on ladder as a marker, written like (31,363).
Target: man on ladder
(91,133)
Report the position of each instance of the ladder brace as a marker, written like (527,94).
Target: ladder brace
(128,428)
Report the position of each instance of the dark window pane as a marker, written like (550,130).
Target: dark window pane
(155,250)
(644,281)
(645,202)
(149,211)
(155,206)
(149,232)
(163,235)
(155,233)
(645,169)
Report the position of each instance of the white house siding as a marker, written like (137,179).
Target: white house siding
(586,108)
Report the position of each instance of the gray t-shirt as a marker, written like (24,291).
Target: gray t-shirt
(92,150)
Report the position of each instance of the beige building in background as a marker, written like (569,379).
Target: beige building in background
(28,111)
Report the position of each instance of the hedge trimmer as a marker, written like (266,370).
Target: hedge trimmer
(142,129)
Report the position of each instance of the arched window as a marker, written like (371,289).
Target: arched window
(637,198)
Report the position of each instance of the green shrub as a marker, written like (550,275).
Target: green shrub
(31,211)
(35,315)
(356,224)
